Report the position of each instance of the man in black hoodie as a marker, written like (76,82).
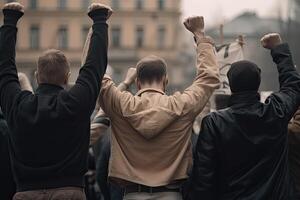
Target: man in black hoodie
(242,151)
(50,130)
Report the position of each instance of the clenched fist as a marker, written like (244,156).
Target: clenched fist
(95,6)
(195,24)
(271,40)
(131,76)
(14,6)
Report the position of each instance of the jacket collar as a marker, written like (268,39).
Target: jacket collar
(244,98)
(153,90)
(46,88)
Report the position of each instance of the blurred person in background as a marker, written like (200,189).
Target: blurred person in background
(242,151)
(49,131)
(151,132)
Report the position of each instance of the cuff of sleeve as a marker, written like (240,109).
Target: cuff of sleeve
(102,120)
(11,17)
(282,49)
(205,39)
(98,15)
(106,76)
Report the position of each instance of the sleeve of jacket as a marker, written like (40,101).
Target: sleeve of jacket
(110,97)
(203,180)
(288,97)
(83,95)
(9,82)
(195,97)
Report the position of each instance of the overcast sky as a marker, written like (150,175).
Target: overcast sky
(218,11)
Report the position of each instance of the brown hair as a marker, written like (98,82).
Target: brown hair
(150,69)
(53,67)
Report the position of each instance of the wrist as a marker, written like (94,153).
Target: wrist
(276,45)
(199,34)
(11,17)
(98,15)
(127,83)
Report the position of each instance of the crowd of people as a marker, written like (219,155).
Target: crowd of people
(247,149)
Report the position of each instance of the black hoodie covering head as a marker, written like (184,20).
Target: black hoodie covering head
(244,76)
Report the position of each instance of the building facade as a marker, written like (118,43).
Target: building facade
(138,28)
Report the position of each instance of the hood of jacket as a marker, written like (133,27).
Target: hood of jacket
(147,118)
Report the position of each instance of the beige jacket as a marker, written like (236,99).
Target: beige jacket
(151,131)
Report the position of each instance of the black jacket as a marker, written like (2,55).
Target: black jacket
(50,130)
(8,186)
(242,151)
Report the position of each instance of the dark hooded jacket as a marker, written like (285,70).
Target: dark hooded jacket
(8,186)
(242,151)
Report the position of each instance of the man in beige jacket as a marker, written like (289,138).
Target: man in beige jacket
(151,150)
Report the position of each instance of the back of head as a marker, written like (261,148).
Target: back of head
(151,69)
(244,76)
(53,68)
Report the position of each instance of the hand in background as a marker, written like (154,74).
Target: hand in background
(195,25)
(130,76)
(14,6)
(95,6)
(271,40)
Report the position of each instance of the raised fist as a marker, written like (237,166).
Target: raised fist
(194,24)
(130,76)
(14,6)
(95,6)
(271,40)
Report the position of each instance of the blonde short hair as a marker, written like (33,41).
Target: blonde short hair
(53,67)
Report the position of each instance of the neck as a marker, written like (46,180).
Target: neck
(154,85)
(244,98)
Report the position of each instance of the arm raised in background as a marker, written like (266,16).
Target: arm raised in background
(84,93)
(207,80)
(288,97)
(111,95)
(24,82)
(9,83)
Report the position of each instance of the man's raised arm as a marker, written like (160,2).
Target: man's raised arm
(9,82)
(111,94)
(288,97)
(207,80)
(87,86)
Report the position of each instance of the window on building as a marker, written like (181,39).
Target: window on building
(139,4)
(116,36)
(161,4)
(63,37)
(115,4)
(34,37)
(62,4)
(161,36)
(33,4)
(139,37)
(85,30)
(86,3)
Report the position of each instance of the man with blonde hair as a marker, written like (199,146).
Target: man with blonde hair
(50,130)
